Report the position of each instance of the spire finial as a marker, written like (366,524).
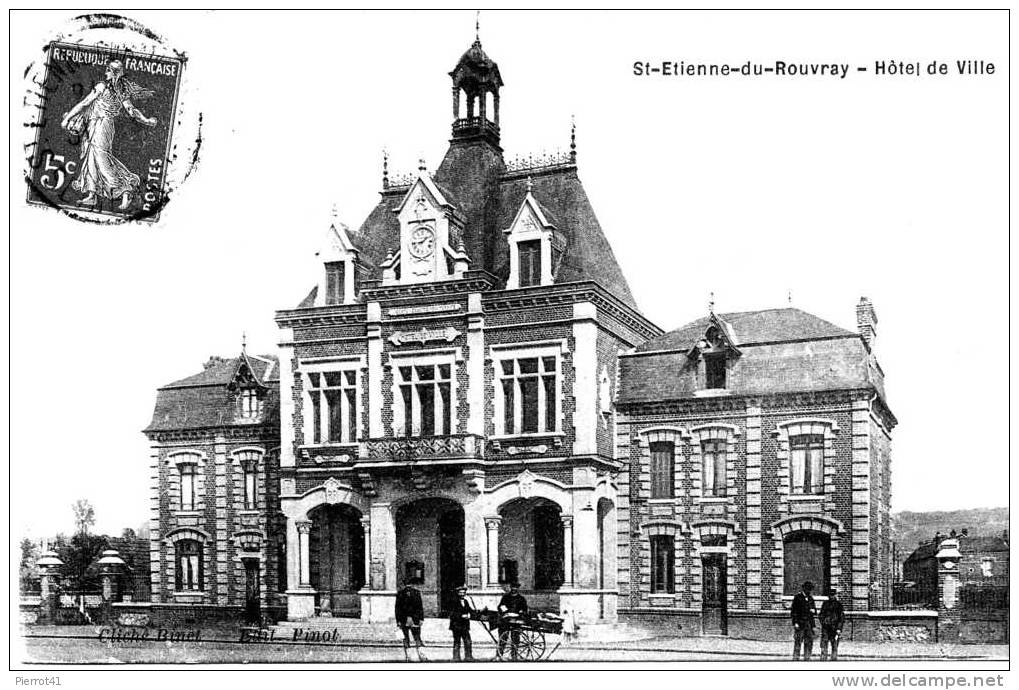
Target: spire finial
(244,342)
(711,303)
(789,296)
(530,184)
(335,213)
(385,169)
(421,164)
(477,26)
(573,139)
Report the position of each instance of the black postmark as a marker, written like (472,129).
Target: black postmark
(105,114)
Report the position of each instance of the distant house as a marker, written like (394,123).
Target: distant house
(983,568)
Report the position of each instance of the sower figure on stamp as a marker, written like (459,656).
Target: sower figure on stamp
(101,173)
(409,614)
(832,617)
(511,606)
(803,611)
(460,624)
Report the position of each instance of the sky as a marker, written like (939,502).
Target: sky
(756,189)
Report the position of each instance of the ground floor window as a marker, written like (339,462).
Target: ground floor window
(806,556)
(663,564)
(189,573)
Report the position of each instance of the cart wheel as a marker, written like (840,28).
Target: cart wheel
(532,645)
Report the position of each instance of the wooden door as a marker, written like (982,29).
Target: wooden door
(714,613)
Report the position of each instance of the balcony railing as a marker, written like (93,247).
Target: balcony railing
(414,449)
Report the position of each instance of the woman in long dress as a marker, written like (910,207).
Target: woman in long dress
(100,172)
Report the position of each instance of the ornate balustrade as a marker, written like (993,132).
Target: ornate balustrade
(452,447)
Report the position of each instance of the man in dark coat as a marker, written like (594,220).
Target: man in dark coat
(511,606)
(409,614)
(832,617)
(803,611)
(460,624)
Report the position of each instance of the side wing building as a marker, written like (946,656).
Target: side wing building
(469,394)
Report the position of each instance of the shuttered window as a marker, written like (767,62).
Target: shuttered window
(663,460)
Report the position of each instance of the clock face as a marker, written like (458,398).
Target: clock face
(422,243)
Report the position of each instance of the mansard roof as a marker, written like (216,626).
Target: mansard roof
(750,327)
(780,351)
(206,400)
(473,179)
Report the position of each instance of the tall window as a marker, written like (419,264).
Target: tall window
(529,395)
(249,465)
(714,370)
(805,556)
(426,393)
(249,403)
(334,282)
(529,253)
(333,406)
(713,455)
(663,564)
(663,461)
(806,456)
(189,575)
(188,484)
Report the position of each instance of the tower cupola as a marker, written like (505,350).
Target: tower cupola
(476,83)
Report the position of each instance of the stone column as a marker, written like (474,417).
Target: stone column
(949,616)
(304,549)
(49,565)
(379,595)
(111,568)
(366,526)
(567,550)
(492,525)
(300,595)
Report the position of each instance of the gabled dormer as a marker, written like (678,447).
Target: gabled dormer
(249,390)
(338,279)
(534,245)
(715,350)
(431,232)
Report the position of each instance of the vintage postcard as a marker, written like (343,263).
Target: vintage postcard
(507,341)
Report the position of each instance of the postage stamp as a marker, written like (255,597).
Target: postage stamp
(104,123)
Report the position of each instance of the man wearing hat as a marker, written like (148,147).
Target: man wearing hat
(511,606)
(803,611)
(409,614)
(832,617)
(460,624)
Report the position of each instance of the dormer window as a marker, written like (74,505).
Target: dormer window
(249,403)
(529,257)
(714,370)
(535,248)
(335,283)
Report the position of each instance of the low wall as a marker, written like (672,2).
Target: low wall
(144,614)
(870,626)
(984,627)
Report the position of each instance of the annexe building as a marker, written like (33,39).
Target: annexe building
(469,394)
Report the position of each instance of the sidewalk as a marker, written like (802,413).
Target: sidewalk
(595,638)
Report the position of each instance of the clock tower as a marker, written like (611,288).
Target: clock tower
(431,236)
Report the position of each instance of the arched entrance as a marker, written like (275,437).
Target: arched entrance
(430,549)
(531,549)
(336,546)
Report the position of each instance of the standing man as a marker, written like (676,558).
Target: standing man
(511,606)
(409,614)
(803,611)
(832,617)
(460,624)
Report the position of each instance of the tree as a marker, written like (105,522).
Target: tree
(84,515)
(29,571)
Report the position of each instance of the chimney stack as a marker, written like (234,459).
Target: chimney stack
(866,322)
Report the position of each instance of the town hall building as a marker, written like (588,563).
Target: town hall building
(470,394)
